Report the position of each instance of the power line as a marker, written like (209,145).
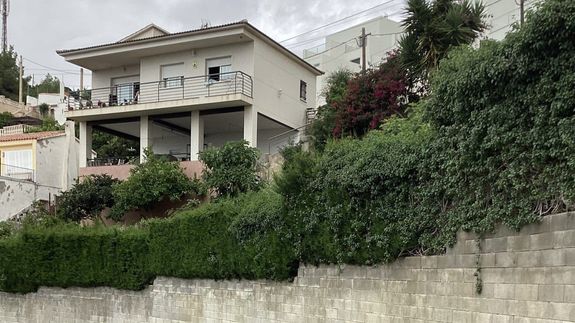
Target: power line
(327,50)
(48,67)
(337,21)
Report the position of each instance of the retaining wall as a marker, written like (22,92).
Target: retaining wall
(526,277)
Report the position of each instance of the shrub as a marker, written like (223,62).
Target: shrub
(7,228)
(356,203)
(149,183)
(231,169)
(69,255)
(321,129)
(505,124)
(44,108)
(371,97)
(202,244)
(87,198)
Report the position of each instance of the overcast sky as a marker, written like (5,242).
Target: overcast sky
(37,28)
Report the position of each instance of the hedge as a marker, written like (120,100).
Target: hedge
(199,243)
(69,255)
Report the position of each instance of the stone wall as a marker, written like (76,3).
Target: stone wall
(527,277)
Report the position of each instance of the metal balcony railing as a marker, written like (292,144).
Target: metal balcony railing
(113,161)
(176,88)
(11,171)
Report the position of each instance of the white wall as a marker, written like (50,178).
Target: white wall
(17,195)
(56,161)
(195,61)
(341,57)
(273,72)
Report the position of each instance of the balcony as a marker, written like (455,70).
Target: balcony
(224,89)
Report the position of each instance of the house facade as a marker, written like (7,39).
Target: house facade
(35,166)
(341,49)
(180,93)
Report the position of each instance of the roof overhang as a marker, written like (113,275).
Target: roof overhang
(131,51)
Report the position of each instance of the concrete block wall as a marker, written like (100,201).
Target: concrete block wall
(528,276)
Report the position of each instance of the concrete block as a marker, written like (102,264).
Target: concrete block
(564,239)
(504,291)
(505,259)
(569,296)
(561,311)
(551,293)
(529,259)
(563,221)
(541,241)
(544,225)
(518,243)
(553,257)
(526,292)
(495,245)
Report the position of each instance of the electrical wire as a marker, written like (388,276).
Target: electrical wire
(310,40)
(327,50)
(337,21)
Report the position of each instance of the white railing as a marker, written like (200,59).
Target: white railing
(14,130)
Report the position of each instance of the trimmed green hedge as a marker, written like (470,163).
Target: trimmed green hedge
(199,243)
(68,255)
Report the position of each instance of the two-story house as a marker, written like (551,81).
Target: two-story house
(179,93)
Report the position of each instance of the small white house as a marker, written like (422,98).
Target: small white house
(341,50)
(180,93)
(35,166)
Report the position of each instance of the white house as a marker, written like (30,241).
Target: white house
(35,166)
(182,92)
(341,50)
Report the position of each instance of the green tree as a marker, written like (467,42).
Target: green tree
(5,118)
(9,75)
(107,145)
(231,169)
(48,124)
(50,84)
(433,28)
(87,198)
(321,129)
(44,109)
(150,183)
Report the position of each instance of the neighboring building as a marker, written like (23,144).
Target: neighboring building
(35,166)
(180,93)
(341,50)
(17,110)
(502,14)
(57,103)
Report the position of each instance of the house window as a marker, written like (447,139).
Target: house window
(172,75)
(303,91)
(17,163)
(219,69)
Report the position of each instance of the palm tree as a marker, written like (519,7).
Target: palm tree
(433,27)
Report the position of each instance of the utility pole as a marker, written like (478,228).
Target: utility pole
(522,11)
(81,84)
(5,9)
(363,46)
(20,93)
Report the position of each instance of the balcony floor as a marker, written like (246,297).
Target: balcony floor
(173,106)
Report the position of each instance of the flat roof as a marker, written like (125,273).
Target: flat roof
(243,23)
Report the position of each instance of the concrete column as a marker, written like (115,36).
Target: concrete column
(145,141)
(196,135)
(251,125)
(85,143)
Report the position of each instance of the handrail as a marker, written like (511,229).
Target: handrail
(18,172)
(272,139)
(176,88)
